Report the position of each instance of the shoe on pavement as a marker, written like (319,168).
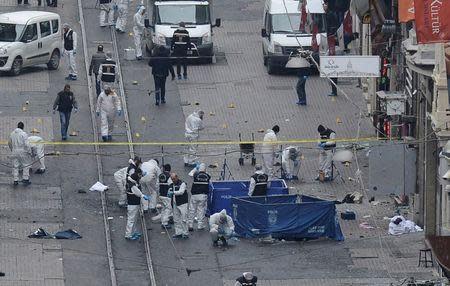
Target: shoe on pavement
(179,76)
(191,229)
(26,182)
(105,138)
(184,236)
(64,138)
(153,211)
(163,101)
(16,183)
(332,94)
(40,171)
(157,103)
(185,76)
(69,77)
(123,206)
(216,243)
(139,58)
(109,137)
(176,236)
(166,226)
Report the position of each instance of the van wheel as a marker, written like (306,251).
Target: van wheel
(16,66)
(270,68)
(53,63)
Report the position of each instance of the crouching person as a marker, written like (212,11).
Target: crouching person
(134,196)
(221,227)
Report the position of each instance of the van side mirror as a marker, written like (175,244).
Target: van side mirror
(218,22)
(264,33)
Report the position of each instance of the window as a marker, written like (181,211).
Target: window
(30,33)
(55,26)
(10,32)
(45,28)
(189,14)
(445,208)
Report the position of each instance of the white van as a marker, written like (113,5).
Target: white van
(29,38)
(281,34)
(197,17)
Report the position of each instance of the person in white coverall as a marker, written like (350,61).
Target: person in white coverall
(221,227)
(120,178)
(108,105)
(199,197)
(37,152)
(290,161)
(122,14)
(149,183)
(70,50)
(21,154)
(327,144)
(193,125)
(180,200)
(164,181)
(138,30)
(134,196)
(106,16)
(269,150)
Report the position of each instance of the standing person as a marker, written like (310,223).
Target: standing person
(303,74)
(221,227)
(96,60)
(193,125)
(106,16)
(25,2)
(181,43)
(164,181)
(138,30)
(52,3)
(290,162)
(134,196)
(107,71)
(108,105)
(21,154)
(332,24)
(150,183)
(199,197)
(37,152)
(120,178)
(258,183)
(180,199)
(161,66)
(269,149)
(70,50)
(64,103)
(134,166)
(247,279)
(327,144)
(122,14)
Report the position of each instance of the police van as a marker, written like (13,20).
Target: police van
(29,38)
(282,32)
(165,20)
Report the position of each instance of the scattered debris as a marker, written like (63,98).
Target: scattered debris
(40,233)
(224,126)
(374,203)
(348,215)
(137,135)
(81,191)
(74,133)
(338,120)
(67,234)
(371,199)
(34,131)
(353,198)
(231,105)
(135,82)
(366,225)
(143,119)
(74,218)
(99,187)
(399,225)
(211,113)
(196,103)
(215,165)
(110,218)
(401,200)
(261,131)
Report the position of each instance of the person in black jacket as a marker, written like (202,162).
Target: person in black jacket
(64,103)
(181,43)
(161,66)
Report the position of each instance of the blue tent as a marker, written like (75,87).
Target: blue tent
(286,216)
(221,192)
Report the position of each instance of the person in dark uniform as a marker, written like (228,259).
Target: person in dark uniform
(180,199)
(161,66)
(181,43)
(134,196)
(258,183)
(303,74)
(247,279)
(327,144)
(107,71)
(96,60)
(332,22)
(199,197)
(164,182)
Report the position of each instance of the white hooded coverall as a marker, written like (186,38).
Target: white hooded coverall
(198,203)
(268,152)
(122,14)
(221,227)
(180,212)
(138,30)
(108,105)
(192,126)
(37,150)
(21,153)
(106,16)
(166,211)
(120,178)
(132,213)
(149,183)
(290,165)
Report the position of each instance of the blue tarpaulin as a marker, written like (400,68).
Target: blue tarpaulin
(221,193)
(283,217)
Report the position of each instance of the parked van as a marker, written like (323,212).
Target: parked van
(29,38)
(281,33)
(197,17)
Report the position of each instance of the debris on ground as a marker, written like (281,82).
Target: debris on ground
(366,225)
(99,187)
(399,225)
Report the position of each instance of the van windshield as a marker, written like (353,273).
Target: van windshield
(10,32)
(290,23)
(189,14)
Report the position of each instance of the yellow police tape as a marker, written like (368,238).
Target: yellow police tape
(292,141)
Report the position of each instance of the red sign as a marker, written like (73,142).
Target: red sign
(432,21)
(405,10)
